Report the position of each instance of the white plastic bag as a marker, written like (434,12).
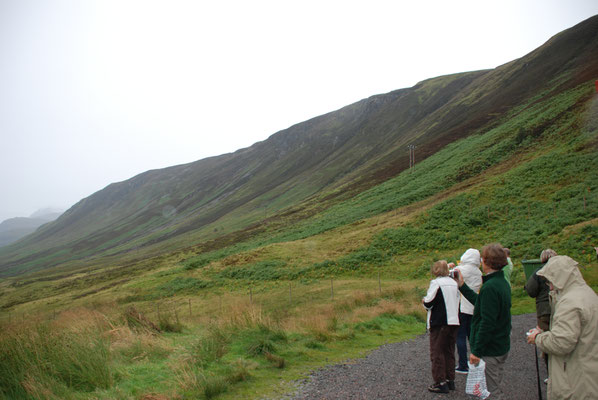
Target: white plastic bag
(476,380)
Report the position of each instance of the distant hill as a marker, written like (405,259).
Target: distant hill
(14,229)
(49,214)
(302,171)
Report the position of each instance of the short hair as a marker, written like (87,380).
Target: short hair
(507,251)
(440,268)
(494,256)
(546,254)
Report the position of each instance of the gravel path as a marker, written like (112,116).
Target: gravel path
(402,371)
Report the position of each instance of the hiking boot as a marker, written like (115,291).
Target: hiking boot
(439,388)
(463,371)
(451,385)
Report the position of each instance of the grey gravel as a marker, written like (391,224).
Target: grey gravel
(402,371)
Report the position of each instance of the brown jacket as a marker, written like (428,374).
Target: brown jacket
(572,342)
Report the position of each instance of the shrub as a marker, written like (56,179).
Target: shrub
(183,285)
(167,324)
(269,270)
(263,340)
(211,347)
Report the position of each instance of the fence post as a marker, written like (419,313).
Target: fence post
(331,289)
(176,314)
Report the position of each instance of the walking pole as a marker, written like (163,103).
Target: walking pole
(538,373)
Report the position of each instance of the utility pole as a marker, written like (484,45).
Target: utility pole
(411,148)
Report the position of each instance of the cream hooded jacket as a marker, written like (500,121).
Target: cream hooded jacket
(572,342)
(469,266)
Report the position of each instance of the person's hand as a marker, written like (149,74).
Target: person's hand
(451,265)
(531,338)
(475,360)
(459,277)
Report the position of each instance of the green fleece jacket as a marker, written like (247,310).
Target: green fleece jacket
(491,323)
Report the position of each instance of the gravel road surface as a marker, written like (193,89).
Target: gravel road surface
(402,371)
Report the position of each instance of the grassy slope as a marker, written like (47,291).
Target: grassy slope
(522,182)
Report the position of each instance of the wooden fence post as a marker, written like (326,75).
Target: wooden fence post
(331,289)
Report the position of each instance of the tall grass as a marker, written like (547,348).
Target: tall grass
(47,361)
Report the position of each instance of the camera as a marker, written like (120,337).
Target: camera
(453,273)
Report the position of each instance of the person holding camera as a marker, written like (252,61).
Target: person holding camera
(442,303)
(491,322)
(469,266)
(572,341)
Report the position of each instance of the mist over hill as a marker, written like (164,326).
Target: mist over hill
(300,172)
(14,229)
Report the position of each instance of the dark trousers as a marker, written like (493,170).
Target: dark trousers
(544,324)
(462,338)
(442,352)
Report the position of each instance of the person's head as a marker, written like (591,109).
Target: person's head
(494,257)
(507,251)
(561,272)
(471,257)
(546,255)
(440,268)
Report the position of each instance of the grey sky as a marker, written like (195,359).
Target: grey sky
(95,92)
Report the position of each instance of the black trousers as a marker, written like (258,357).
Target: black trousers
(442,352)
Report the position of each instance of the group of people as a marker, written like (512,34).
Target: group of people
(466,303)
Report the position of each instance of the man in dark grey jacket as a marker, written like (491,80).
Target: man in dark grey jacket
(537,287)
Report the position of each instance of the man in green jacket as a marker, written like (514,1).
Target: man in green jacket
(491,323)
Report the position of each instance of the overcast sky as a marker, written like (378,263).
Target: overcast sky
(95,92)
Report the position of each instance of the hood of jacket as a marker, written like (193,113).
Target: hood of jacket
(563,272)
(471,257)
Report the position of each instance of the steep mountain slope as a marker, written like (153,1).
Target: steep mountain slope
(308,167)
